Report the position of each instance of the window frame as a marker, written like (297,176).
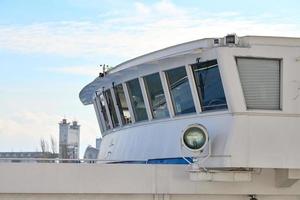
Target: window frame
(140,82)
(171,100)
(148,96)
(145,97)
(98,115)
(118,113)
(128,100)
(198,93)
(118,101)
(112,111)
(108,126)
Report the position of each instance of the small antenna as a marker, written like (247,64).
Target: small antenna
(101,74)
(104,68)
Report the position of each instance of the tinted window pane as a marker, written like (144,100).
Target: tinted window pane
(98,113)
(137,100)
(103,111)
(111,108)
(180,91)
(209,85)
(156,96)
(122,104)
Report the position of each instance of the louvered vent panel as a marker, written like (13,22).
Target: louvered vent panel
(260,80)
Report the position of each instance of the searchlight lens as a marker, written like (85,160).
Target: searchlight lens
(195,138)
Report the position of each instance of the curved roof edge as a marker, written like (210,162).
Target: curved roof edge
(165,52)
(87,93)
(204,43)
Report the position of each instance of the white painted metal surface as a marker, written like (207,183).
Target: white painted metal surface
(240,137)
(104,181)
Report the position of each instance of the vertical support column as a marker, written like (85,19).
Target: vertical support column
(97,110)
(192,84)
(229,77)
(165,86)
(126,93)
(103,123)
(146,100)
(107,110)
(112,91)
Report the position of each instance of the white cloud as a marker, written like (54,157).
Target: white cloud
(166,7)
(24,129)
(84,70)
(128,34)
(142,9)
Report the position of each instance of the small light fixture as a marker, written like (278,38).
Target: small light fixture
(217,42)
(195,138)
(231,39)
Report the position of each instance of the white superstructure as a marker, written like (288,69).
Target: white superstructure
(244,90)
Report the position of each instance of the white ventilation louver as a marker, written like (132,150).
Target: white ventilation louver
(260,79)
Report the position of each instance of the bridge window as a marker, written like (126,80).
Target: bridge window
(103,111)
(156,96)
(209,85)
(99,116)
(260,79)
(122,104)
(137,101)
(111,108)
(180,91)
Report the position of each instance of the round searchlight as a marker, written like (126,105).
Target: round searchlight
(195,137)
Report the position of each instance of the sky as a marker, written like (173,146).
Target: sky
(49,50)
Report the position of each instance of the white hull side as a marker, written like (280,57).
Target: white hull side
(129,181)
(161,139)
(238,140)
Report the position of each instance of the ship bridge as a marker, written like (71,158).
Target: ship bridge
(243,91)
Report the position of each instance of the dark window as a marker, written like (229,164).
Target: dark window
(98,111)
(103,111)
(111,108)
(156,96)
(209,85)
(137,101)
(122,104)
(180,91)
